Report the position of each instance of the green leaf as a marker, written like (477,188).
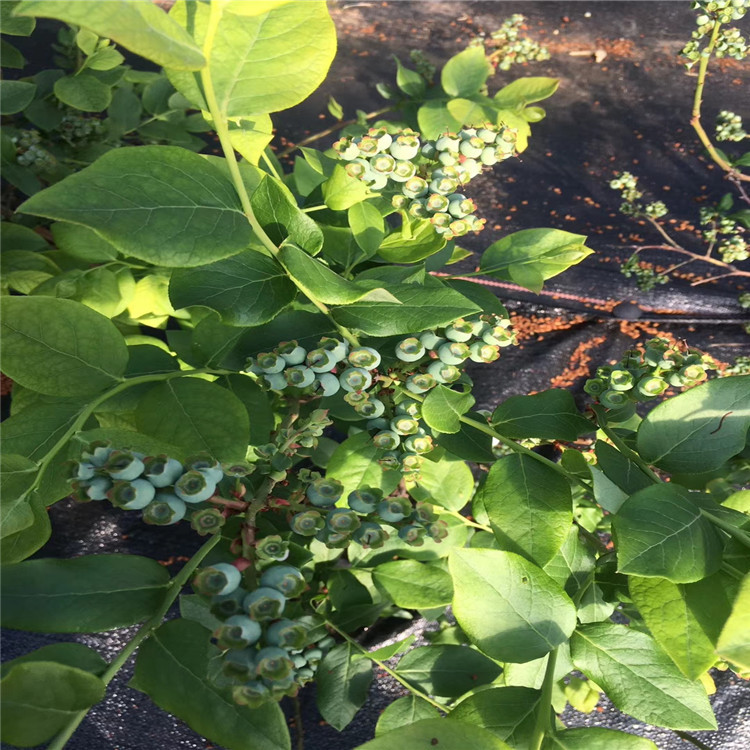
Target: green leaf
(250,136)
(171,669)
(354,464)
(550,415)
(523,91)
(684,619)
(280,217)
(620,470)
(197,416)
(448,483)
(465,73)
(341,191)
(596,738)
(434,118)
(403,712)
(319,282)
(507,606)
(418,243)
(82,243)
(256,403)
(264,58)
(156,203)
(507,712)
(142,27)
(469,443)
(69,654)
(660,533)
(16,477)
(39,698)
(83,91)
(105,58)
(409,81)
(82,595)
(60,347)
(700,429)
(639,678)
(414,585)
(443,733)
(367,226)
(343,681)
(19,546)
(734,640)
(529,506)
(573,564)
(447,670)
(420,308)
(248,289)
(531,256)
(15,96)
(14,25)
(19,237)
(469,112)
(443,408)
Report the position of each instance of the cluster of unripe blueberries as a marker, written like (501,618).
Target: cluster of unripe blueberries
(265,654)
(725,233)
(423,176)
(643,375)
(729,42)
(627,184)
(509,47)
(729,127)
(31,153)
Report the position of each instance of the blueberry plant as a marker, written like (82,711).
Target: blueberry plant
(285,373)
(724,225)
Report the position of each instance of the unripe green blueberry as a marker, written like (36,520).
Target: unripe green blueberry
(400,202)
(420,382)
(274,664)
(419,444)
(333,539)
(239,664)
(386,440)
(287,634)
(418,209)
(383,164)
(299,376)
(487,134)
(405,147)
(81,470)
(412,534)
(364,356)
(97,452)
(411,463)
(357,398)
(480,352)
(307,523)
(459,330)
(218,579)
(461,207)
(405,425)
(414,187)
(410,407)
(472,147)
(324,492)
(226,605)
(342,521)
(252,694)
(498,335)
(614,399)
(359,169)
(693,373)
(270,362)
(443,185)
(206,465)
(329,384)
(489,156)
(291,352)
(372,409)
(438,530)
(379,423)
(194,487)
(469,169)
(430,340)
(394,509)
(370,536)
(285,578)
(365,499)
(276,381)
(321,360)
(123,465)
(620,380)
(164,510)
(448,158)
(443,373)
(410,350)
(648,387)
(440,220)
(264,604)
(355,379)
(453,353)
(207,521)
(424,514)
(97,488)
(676,379)
(238,632)
(161,470)
(381,136)
(272,548)
(133,495)
(305,675)
(447,142)
(437,203)
(346,149)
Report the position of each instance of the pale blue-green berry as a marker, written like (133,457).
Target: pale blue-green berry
(252,694)
(264,604)
(321,360)
(386,440)
(292,353)
(441,220)
(470,169)
(342,521)
(615,399)
(418,209)
(412,534)
(298,660)
(218,579)
(448,158)
(364,499)
(466,133)
(206,465)
(410,350)
(307,523)
(498,335)
(329,384)
(383,164)
(394,509)
(355,379)
(405,425)
(414,187)
(459,330)
(447,142)
(133,495)
(405,147)
(400,202)
(239,663)
(226,605)
(488,157)
(276,381)
(437,202)
(481,352)
(274,664)
(305,675)
(403,171)
(364,356)
(379,423)
(123,465)
(444,186)
(356,398)
(98,487)
(648,386)
(164,510)
(453,353)
(299,376)
(287,634)
(238,632)
(324,492)
(420,383)
(443,373)
(429,151)
(411,462)
(460,207)
(381,136)
(621,380)
(368,146)
(284,578)
(194,487)
(407,406)
(390,459)
(487,135)
(472,147)
(270,362)
(377,181)
(82,470)
(372,409)
(346,149)
(419,444)
(332,539)
(337,348)
(430,339)
(272,547)
(97,452)
(161,470)
(369,535)
(359,169)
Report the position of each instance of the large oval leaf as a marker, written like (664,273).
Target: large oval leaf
(344,678)
(596,738)
(445,734)
(414,585)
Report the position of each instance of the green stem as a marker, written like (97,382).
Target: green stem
(542,724)
(733,531)
(173,591)
(692,740)
(465,520)
(299,731)
(620,445)
(385,667)
(731,571)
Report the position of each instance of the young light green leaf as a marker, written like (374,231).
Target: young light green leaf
(142,27)
(529,506)
(470,112)
(409,81)
(156,203)
(367,226)
(509,607)
(508,712)
(550,415)
(414,585)
(443,408)
(60,347)
(523,91)
(531,256)
(81,595)
(15,96)
(171,669)
(734,641)
(344,678)
(445,733)
(448,483)
(403,712)
(596,738)
(447,670)
(83,91)
(465,73)
(250,136)
(660,532)
(420,242)
(248,289)
(639,678)
(434,118)
(15,25)
(40,697)
(197,416)
(354,464)
(341,191)
(684,619)
(700,429)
